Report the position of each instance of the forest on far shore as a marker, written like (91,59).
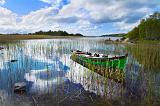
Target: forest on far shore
(148,29)
(51,33)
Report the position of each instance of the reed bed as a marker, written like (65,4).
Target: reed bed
(61,81)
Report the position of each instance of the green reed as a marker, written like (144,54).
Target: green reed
(147,55)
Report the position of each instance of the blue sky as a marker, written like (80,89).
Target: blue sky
(89,17)
(23,7)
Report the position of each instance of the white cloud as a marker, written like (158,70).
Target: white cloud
(117,12)
(37,20)
(123,26)
(79,16)
(2,2)
(43,19)
(55,3)
(103,11)
(7,17)
(47,1)
(7,20)
(51,1)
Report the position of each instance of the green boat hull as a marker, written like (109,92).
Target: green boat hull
(107,67)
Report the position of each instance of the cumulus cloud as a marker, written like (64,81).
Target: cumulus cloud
(7,20)
(56,3)
(2,2)
(104,11)
(66,19)
(118,12)
(79,16)
(51,1)
(124,26)
(7,17)
(12,23)
(37,18)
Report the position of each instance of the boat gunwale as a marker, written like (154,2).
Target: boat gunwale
(101,58)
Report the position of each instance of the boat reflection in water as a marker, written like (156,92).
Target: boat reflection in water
(94,82)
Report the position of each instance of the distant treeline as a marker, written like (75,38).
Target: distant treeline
(148,29)
(52,33)
(115,35)
(55,33)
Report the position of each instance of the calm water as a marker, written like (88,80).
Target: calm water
(54,79)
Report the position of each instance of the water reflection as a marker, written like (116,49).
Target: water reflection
(94,82)
(48,70)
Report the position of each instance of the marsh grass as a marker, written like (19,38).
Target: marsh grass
(141,74)
(9,38)
(146,54)
(148,57)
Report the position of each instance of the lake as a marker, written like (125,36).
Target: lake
(54,79)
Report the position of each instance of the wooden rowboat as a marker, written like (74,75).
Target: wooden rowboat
(110,66)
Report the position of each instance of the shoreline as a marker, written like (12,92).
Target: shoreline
(8,38)
(130,42)
(11,38)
